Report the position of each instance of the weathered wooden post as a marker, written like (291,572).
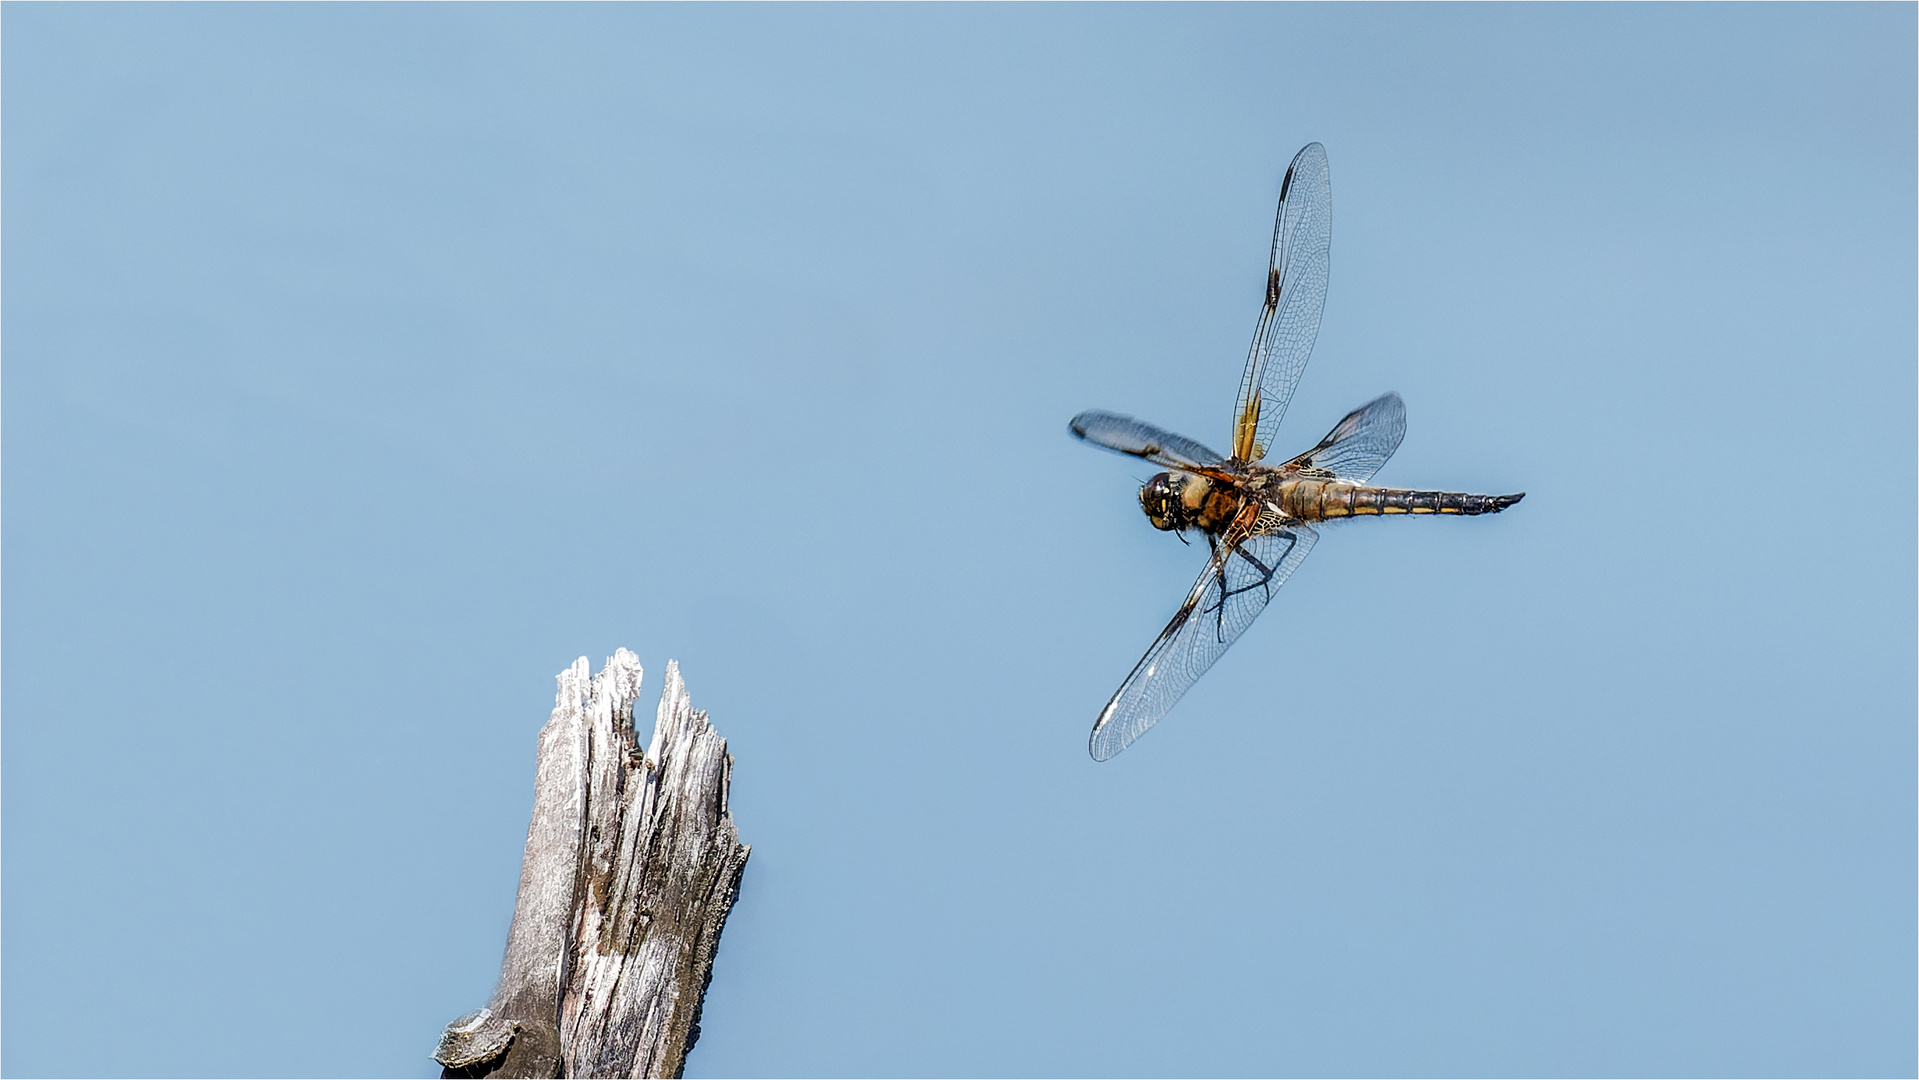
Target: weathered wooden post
(631,866)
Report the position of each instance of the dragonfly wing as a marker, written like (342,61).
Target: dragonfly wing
(1125,435)
(1242,575)
(1295,296)
(1358,445)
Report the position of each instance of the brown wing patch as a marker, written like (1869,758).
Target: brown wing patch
(1224,476)
(1246,428)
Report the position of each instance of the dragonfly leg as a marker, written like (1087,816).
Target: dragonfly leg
(1265,572)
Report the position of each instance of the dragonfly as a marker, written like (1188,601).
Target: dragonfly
(1258,519)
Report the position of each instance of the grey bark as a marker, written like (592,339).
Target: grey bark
(631,866)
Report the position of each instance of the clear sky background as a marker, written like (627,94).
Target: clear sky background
(365,365)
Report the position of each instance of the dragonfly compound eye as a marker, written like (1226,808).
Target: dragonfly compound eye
(1161,498)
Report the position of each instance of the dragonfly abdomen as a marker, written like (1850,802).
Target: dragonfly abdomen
(1322,500)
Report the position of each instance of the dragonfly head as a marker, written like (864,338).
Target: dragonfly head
(1172,500)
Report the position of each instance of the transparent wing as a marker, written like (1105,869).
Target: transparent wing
(1126,435)
(1232,590)
(1295,296)
(1358,445)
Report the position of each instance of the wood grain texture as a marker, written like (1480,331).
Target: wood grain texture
(631,866)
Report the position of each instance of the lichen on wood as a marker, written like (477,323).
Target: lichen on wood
(631,866)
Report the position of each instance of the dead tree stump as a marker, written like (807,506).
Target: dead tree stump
(631,866)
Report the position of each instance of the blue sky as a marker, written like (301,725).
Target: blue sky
(364,365)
